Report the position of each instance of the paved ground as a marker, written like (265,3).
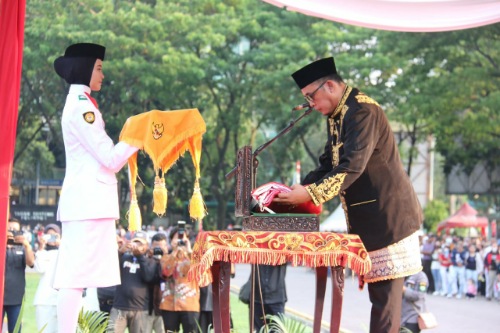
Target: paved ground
(453,315)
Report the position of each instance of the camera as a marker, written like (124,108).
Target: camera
(180,233)
(157,253)
(50,238)
(10,241)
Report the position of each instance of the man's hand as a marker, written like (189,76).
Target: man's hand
(19,239)
(30,256)
(296,196)
(126,246)
(184,250)
(188,245)
(139,249)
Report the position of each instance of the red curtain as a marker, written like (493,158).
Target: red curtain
(11,56)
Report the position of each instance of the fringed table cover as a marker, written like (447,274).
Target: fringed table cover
(312,249)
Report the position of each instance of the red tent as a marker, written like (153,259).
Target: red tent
(465,217)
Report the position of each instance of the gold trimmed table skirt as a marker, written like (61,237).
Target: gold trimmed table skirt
(312,249)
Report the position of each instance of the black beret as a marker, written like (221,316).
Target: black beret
(314,71)
(85,50)
(78,62)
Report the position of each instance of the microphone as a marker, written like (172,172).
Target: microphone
(301,106)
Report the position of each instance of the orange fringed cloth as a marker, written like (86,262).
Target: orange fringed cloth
(312,249)
(164,136)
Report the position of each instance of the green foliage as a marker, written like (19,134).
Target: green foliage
(38,159)
(447,84)
(281,323)
(232,60)
(434,212)
(92,322)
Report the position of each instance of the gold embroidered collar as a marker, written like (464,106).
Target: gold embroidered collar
(336,126)
(345,94)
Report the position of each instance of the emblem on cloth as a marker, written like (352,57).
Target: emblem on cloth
(82,97)
(89,117)
(157,131)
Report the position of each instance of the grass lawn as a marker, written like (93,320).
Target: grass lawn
(239,311)
(29,321)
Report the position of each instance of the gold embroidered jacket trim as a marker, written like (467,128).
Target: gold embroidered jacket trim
(336,124)
(328,189)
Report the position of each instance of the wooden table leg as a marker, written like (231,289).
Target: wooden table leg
(251,306)
(221,272)
(321,273)
(337,298)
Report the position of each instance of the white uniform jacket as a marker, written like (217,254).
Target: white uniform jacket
(90,187)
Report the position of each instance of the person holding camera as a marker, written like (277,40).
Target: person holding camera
(45,301)
(130,305)
(154,321)
(18,255)
(180,301)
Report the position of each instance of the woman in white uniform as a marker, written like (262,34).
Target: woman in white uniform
(88,206)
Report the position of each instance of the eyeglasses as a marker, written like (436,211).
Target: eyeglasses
(310,97)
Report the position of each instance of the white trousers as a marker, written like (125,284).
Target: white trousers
(46,315)
(457,280)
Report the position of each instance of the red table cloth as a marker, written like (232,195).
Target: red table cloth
(312,249)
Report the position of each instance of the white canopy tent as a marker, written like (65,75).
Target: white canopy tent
(336,222)
(400,15)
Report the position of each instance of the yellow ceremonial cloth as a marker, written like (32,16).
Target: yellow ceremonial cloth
(312,249)
(165,136)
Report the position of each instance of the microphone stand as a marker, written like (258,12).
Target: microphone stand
(283,131)
(257,151)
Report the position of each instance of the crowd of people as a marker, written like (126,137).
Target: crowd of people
(453,267)
(154,295)
(462,267)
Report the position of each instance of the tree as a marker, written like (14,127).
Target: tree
(232,60)
(434,212)
(447,84)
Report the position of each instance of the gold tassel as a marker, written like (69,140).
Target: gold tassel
(134,215)
(160,196)
(197,208)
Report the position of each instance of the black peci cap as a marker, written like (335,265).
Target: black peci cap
(314,71)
